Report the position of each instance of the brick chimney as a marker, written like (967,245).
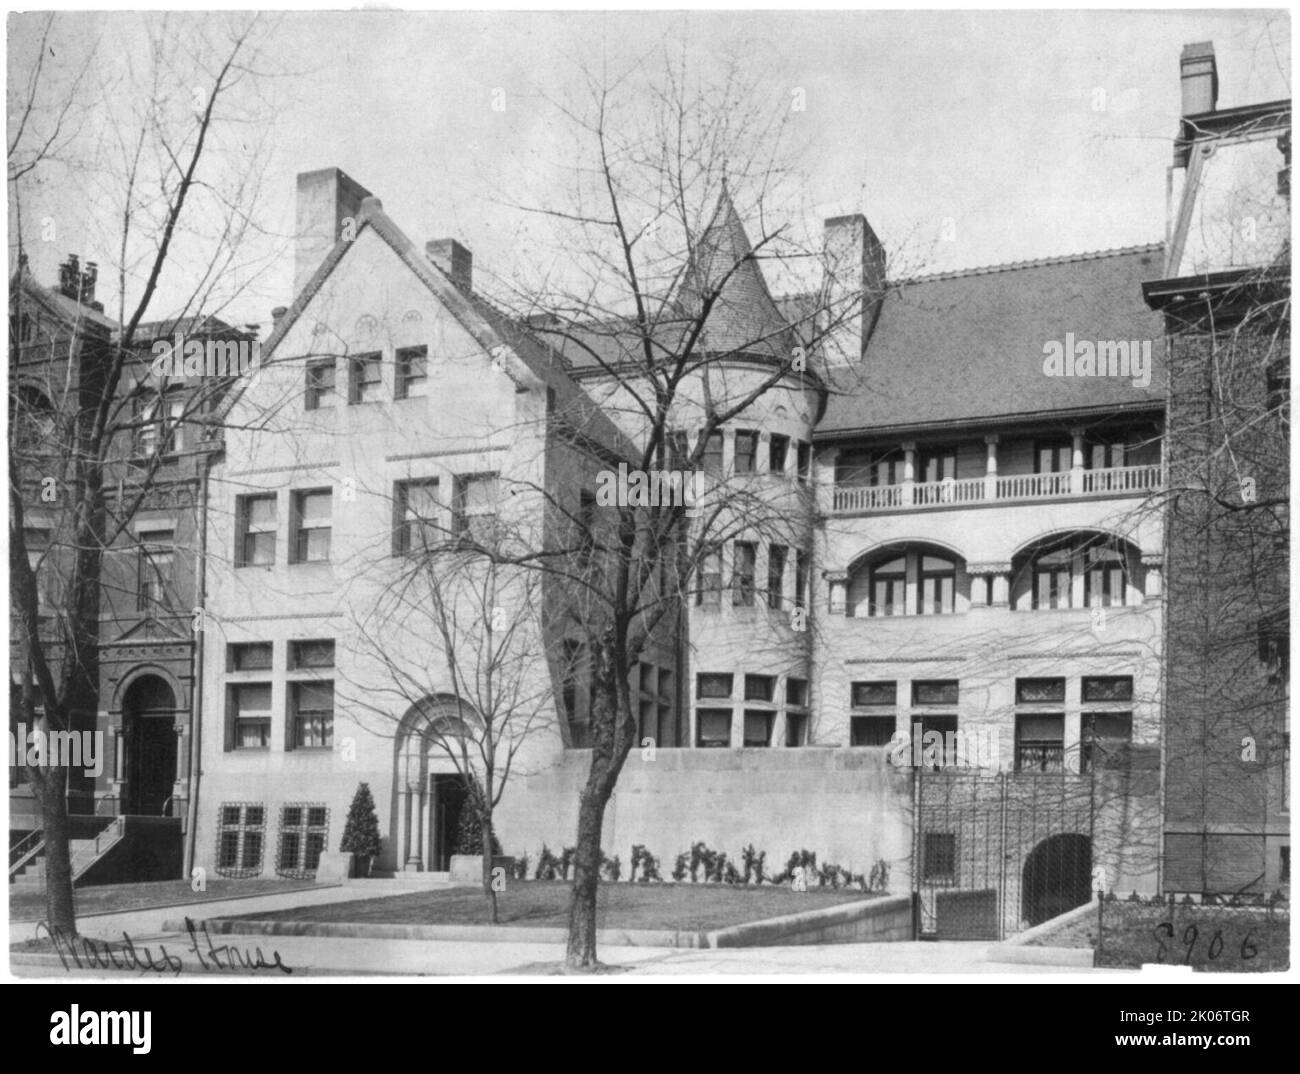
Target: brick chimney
(1200,76)
(70,278)
(454,259)
(853,286)
(326,200)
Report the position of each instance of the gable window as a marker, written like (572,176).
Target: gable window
(412,372)
(889,587)
(313,714)
(304,830)
(320,384)
(157,553)
(777,450)
(746,451)
(742,574)
(240,834)
(250,715)
(257,524)
(474,509)
(419,516)
(311,526)
(365,378)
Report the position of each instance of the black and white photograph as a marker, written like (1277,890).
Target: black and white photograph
(650,496)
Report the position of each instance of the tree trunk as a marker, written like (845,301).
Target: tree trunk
(581,952)
(485,830)
(60,910)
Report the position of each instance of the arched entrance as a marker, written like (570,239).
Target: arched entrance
(1057,877)
(429,791)
(149,729)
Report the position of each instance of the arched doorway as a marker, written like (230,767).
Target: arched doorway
(149,728)
(1057,877)
(429,791)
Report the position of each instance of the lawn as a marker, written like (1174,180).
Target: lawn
(107,898)
(685,907)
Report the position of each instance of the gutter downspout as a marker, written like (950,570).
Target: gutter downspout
(196,663)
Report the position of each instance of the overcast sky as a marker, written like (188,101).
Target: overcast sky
(984,119)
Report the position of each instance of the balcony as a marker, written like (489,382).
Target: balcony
(1018,488)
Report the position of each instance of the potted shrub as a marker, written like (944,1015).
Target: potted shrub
(361,833)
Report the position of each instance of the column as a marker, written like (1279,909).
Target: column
(1076,462)
(909,472)
(824,475)
(1001,584)
(991,466)
(1154,579)
(418,803)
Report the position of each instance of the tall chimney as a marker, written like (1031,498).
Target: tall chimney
(454,259)
(327,199)
(853,287)
(1200,78)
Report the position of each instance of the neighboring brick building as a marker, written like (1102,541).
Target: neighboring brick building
(1225,295)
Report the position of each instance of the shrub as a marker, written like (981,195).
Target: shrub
(361,832)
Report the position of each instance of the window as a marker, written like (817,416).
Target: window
(938,464)
(679,449)
(804,461)
(250,716)
(889,587)
(37,540)
(887,468)
(873,693)
(796,692)
(712,459)
(758,727)
(249,656)
(796,715)
(587,532)
(713,728)
(303,833)
(1040,742)
(240,836)
(742,574)
(1111,688)
(412,372)
(1037,691)
(1051,571)
(365,378)
(257,524)
(160,428)
(796,729)
(935,692)
(1052,456)
(155,568)
(474,510)
(746,451)
(776,557)
(320,384)
(419,516)
(1105,583)
(777,450)
(311,526)
(1105,455)
(925,726)
(801,578)
(938,585)
(871,730)
(759,687)
(710,593)
(304,655)
(1103,737)
(713,685)
(313,714)
(939,856)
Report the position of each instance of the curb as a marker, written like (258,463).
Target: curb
(1019,954)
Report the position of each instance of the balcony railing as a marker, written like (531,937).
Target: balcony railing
(1017,488)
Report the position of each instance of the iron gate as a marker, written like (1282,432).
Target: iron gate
(997,853)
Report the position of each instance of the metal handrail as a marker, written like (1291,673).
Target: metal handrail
(21,853)
(92,853)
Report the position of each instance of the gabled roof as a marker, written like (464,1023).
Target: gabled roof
(743,318)
(525,360)
(968,347)
(148,331)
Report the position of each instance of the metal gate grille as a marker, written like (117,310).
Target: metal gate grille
(998,853)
